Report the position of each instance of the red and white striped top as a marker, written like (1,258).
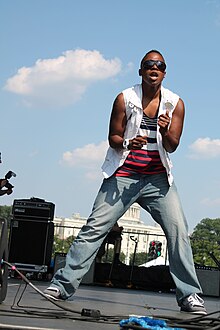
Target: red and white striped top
(146,160)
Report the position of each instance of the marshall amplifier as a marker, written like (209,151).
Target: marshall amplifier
(33,209)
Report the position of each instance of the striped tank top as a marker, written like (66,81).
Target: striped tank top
(146,160)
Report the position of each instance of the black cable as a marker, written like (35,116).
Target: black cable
(14,300)
(22,310)
(92,315)
(23,306)
(25,279)
(85,314)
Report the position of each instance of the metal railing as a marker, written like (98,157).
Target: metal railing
(136,243)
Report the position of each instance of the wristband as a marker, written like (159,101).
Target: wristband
(126,143)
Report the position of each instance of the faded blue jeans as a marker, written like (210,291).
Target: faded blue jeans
(116,195)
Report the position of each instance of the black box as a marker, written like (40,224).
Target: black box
(33,208)
(209,280)
(59,261)
(31,244)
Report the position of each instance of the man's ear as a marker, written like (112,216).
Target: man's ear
(139,72)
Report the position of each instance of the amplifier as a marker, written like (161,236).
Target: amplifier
(31,243)
(33,208)
(59,261)
(209,280)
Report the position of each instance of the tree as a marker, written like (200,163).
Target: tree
(62,246)
(108,256)
(205,239)
(5,212)
(140,258)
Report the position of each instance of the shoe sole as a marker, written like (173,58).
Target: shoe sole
(53,298)
(196,312)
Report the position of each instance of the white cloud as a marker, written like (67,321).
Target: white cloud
(89,157)
(63,80)
(205,148)
(210,202)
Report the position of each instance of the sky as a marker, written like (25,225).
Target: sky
(63,62)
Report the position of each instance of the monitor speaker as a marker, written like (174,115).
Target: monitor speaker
(59,261)
(31,242)
(210,281)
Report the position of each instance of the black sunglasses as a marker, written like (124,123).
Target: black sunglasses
(150,63)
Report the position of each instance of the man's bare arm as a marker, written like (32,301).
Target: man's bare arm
(118,122)
(171,134)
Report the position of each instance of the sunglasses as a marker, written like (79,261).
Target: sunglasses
(150,63)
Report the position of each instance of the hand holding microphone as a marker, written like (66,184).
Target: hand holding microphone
(138,142)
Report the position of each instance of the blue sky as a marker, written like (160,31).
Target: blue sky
(62,65)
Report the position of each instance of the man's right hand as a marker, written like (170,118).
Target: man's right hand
(138,142)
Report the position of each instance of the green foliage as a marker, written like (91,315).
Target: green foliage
(108,256)
(140,258)
(62,246)
(5,212)
(206,239)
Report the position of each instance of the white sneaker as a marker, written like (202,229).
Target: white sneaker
(193,304)
(53,293)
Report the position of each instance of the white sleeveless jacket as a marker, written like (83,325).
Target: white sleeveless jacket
(134,112)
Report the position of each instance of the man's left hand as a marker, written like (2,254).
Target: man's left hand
(163,122)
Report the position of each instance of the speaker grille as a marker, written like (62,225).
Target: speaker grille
(31,242)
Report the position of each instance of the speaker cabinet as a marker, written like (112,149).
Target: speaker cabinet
(31,243)
(209,280)
(59,261)
(33,208)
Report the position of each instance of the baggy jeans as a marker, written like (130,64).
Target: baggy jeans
(116,195)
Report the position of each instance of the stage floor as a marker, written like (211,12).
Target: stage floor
(29,310)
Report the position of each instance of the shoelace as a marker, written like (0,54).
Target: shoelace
(196,300)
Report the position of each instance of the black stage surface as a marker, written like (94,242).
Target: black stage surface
(27,309)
